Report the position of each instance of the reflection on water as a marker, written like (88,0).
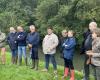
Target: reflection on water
(78,60)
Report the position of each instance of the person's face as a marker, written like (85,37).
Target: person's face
(12,30)
(70,34)
(32,29)
(19,29)
(94,35)
(64,34)
(92,27)
(49,31)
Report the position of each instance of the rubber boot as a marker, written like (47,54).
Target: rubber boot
(72,75)
(36,64)
(26,61)
(12,60)
(33,64)
(66,71)
(20,62)
(16,58)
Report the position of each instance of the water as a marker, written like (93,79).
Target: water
(78,60)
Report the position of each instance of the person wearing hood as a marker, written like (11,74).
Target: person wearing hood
(2,47)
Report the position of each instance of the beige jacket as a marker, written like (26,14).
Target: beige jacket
(96,52)
(50,42)
(2,39)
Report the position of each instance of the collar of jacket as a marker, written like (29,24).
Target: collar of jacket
(32,33)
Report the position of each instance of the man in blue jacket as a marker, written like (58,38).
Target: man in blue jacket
(21,40)
(33,43)
(11,39)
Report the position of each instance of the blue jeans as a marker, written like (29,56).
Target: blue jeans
(51,57)
(22,51)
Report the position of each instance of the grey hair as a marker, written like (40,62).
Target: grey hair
(93,23)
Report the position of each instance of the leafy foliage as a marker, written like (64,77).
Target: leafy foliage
(61,14)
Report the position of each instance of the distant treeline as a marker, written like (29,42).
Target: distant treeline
(61,14)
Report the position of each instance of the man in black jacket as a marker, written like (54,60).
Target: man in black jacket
(87,46)
(11,39)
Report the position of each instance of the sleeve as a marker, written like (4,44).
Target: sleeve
(22,37)
(71,44)
(43,42)
(96,55)
(27,41)
(56,42)
(37,39)
(3,37)
(8,39)
(82,49)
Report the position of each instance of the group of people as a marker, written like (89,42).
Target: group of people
(18,41)
(91,51)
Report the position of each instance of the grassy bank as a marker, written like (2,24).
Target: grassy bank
(15,72)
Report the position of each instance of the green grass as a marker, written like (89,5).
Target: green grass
(15,72)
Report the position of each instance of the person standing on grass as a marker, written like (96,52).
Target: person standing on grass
(68,51)
(33,44)
(21,40)
(62,39)
(2,47)
(11,39)
(50,42)
(95,53)
(87,46)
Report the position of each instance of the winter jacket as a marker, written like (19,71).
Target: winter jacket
(69,46)
(61,41)
(12,40)
(21,38)
(95,60)
(87,42)
(2,39)
(50,42)
(33,39)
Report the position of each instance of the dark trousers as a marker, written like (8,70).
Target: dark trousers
(86,69)
(51,57)
(14,53)
(68,63)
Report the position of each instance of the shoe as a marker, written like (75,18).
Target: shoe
(55,72)
(65,73)
(45,70)
(72,75)
(33,64)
